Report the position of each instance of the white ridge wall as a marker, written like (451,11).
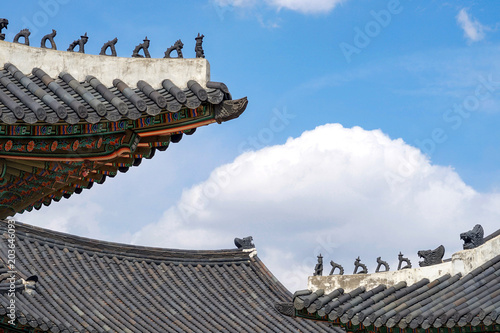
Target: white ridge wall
(106,68)
(461,262)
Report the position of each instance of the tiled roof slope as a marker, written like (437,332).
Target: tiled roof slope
(87,285)
(71,122)
(41,98)
(452,301)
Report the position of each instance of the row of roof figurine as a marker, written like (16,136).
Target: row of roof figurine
(178,45)
(472,238)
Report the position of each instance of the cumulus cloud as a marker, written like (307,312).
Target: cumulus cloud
(473,29)
(302,6)
(341,192)
(68,219)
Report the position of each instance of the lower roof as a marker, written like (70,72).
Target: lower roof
(464,298)
(75,284)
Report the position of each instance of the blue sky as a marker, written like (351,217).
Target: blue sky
(388,77)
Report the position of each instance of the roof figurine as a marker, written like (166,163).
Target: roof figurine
(3,25)
(111,45)
(178,45)
(357,265)
(318,269)
(473,238)
(381,263)
(11,281)
(244,243)
(25,33)
(50,38)
(144,46)
(401,260)
(335,266)
(431,257)
(80,43)
(198,48)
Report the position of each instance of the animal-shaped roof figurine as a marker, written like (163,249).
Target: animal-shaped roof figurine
(50,38)
(178,45)
(431,257)
(357,265)
(23,33)
(80,43)
(473,238)
(3,24)
(144,46)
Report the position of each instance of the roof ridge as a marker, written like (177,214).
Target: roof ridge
(130,70)
(121,250)
(492,235)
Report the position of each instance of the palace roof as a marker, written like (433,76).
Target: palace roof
(459,295)
(69,119)
(66,283)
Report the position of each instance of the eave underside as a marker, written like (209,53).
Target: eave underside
(36,170)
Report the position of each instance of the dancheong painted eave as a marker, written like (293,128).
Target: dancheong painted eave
(69,120)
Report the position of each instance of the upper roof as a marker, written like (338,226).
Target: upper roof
(69,120)
(86,285)
(462,293)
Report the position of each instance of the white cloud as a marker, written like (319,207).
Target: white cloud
(302,6)
(68,218)
(306,6)
(342,192)
(473,29)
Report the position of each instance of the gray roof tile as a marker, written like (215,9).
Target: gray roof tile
(86,285)
(40,98)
